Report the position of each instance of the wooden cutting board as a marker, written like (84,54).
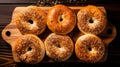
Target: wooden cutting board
(10,33)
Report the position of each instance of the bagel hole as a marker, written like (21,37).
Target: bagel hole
(58,46)
(30,21)
(109,31)
(61,19)
(89,48)
(29,48)
(91,20)
(8,33)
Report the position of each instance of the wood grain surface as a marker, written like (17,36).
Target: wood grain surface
(113,14)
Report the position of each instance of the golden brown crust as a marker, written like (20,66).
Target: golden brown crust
(91,20)
(31,20)
(59,47)
(29,48)
(89,48)
(61,19)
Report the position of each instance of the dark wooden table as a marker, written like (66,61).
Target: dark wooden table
(113,14)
